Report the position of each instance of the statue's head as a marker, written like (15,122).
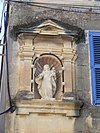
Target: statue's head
(53,68)
(46,67)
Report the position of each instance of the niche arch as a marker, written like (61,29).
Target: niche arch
(53,61)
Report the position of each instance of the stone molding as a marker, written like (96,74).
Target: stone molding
(69,108)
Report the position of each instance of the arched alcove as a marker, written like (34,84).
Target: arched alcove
(53,62)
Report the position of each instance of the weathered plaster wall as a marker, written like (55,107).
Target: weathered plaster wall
(24,16)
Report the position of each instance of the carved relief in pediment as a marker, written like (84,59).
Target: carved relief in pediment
(49,27)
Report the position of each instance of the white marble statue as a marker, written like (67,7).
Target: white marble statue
(46,82)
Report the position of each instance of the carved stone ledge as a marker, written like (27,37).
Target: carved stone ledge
(68,108)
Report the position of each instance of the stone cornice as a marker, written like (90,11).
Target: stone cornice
(68,108)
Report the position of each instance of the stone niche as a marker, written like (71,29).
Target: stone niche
(47,45)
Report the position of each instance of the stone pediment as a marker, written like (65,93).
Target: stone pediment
(49,28)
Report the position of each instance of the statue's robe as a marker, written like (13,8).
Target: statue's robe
(46,84)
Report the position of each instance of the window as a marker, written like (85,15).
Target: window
(3,8)
(94,41)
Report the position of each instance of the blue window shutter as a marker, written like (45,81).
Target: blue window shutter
(94,41)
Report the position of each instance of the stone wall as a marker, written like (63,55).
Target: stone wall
(22,16)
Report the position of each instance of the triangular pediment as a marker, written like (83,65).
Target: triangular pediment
(50,23)
(49,27)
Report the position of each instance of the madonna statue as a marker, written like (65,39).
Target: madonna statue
(46,82)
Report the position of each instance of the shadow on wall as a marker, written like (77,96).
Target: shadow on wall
(84,124)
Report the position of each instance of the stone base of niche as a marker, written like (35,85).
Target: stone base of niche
(46,116)
(67,106)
